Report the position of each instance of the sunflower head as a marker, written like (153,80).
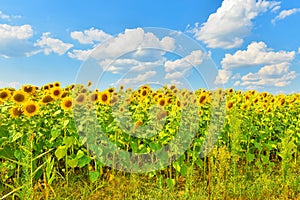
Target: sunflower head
(5,95)
(28,89)
(19,97)
(80,99)
(202,99)
(56,92)
(162,114)
(162,102)
(94,97)
(47,99)
(67,103)
(56,84)
(104,97)
(114,99)
(229,105)
(89,83)
(30,108)
(46,87)
(15,112)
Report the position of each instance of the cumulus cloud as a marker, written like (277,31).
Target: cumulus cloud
(285,13)
(195,58)
(4,16)
(80,54)
(14,41)
(257,53)
(227,27)
(123,65)
(277,75)
(139,79)
(90,36)
(174,75)
(132,40)
(49,45)
(8,32)
(10,84)
(223,76)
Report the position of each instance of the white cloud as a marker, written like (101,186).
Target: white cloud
(277,75)
(4,16)
(132,40)
(139,79)
(120,66)
(223,76)
(10,84)
(257,53)
(227,27)
(285,13)
(276,8)
(80,54)
(174,75)
(90,36)
(8,32)
(237,83)
(195,58)
(14,41)
(49,45)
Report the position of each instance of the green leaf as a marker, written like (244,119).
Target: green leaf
(72,162)
(83,161)
(176,166)
(55,133)
(170,183)
(249,157)
(68,141)
(93,176)
(184,170)
(57,113)
(16,135)
(79,154)
(60,152)
(66,122)
(18,154)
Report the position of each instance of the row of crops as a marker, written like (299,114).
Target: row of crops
(50,133)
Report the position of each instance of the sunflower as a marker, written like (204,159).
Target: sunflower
(67,103)
(56,84)
(202,99)
(162,114)
(94,97)
(47,99)
(46,87)
(104,97)
(80,99)
(178,103)
(15,112)
(28,88)
(229,105)
(19,97)
(56,92)
(30,108)
(64,94)
(5,95)
(172,87)
(89,83)
(114,100)
(200,113)
(111,90)
(162,102)
(144,92)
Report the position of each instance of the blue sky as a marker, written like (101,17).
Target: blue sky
(245,44)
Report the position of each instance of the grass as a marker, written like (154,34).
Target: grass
(139,187)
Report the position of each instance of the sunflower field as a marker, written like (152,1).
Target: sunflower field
(45,143)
